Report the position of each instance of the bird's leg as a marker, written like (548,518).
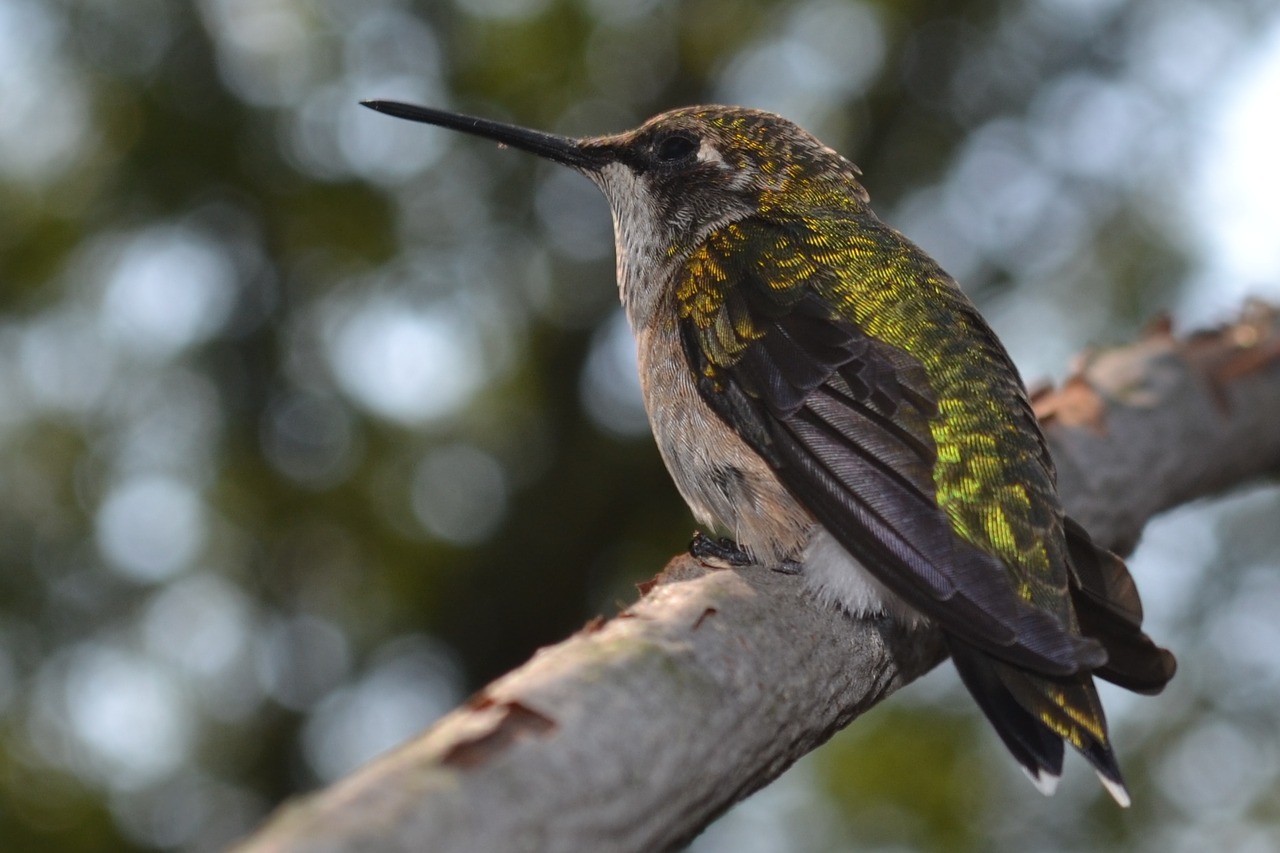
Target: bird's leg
(721,553)
(789,567)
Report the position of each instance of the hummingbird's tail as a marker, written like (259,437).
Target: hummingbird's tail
(1034,715)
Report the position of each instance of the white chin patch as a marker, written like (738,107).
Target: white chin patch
(838,578)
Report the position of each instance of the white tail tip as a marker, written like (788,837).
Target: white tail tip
(1046,783)
(1117,791)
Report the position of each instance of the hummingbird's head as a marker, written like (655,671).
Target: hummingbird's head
(681,175)
(687,172)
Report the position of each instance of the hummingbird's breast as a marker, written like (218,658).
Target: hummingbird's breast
(730,488)
(724,482)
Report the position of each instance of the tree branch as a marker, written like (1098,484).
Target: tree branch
(635,733)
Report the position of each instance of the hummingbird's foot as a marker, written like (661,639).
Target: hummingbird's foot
(789,567)
(721,553)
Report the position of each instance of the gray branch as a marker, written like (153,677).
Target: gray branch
(635,733)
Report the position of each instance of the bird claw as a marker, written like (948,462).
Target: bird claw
(789,567)
(721,553)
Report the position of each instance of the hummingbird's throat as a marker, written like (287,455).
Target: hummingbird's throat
(642,244)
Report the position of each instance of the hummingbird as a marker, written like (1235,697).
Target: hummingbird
(824,394)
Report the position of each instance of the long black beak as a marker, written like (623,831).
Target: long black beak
(561,149)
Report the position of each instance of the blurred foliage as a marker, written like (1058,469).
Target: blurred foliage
(314,421)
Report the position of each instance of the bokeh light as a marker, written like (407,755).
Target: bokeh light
(150,528)
(407,364)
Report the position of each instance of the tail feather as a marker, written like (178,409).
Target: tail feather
(1034,746)
(1034,715)
(1071,710)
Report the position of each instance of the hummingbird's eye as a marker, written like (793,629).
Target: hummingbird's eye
(676,146)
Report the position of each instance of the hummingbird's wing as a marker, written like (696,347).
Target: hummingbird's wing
(907,436)
(1108,609)
(866,380)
